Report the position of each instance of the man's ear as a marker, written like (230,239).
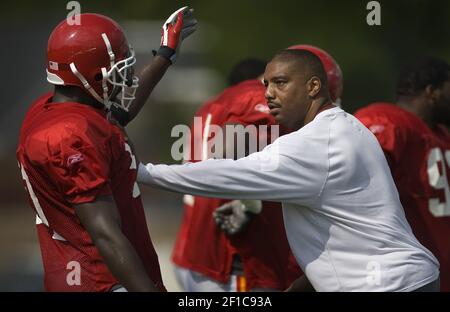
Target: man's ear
(314,85)
(432,93)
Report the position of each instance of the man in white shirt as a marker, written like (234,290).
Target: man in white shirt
(343,218)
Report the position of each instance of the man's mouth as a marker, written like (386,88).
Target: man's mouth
(274,108)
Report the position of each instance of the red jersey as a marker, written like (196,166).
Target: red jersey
(419,158)
(263,247)
(70,154)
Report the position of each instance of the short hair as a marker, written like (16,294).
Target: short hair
(249,68)
(309,61)
(426,71)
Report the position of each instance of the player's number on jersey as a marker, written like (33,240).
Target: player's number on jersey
(437,176)
(136,191)
(33,196)
(133,158)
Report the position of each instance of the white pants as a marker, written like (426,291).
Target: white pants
(192,281)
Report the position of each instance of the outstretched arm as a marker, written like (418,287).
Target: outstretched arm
(176,28)
(277,173)
(219,178)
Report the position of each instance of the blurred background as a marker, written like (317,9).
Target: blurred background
(370,57)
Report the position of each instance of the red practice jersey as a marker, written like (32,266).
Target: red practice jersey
(419,158)
(70,154)
(263,247)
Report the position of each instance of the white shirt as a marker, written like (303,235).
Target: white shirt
(343,217)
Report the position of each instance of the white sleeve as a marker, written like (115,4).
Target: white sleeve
(283,171)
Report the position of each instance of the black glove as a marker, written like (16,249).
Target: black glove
(233,217)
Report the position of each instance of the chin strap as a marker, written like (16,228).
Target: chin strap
(85,83)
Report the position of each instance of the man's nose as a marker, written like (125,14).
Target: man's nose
(269,93)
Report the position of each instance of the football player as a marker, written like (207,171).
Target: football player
(416,142)
(79,170)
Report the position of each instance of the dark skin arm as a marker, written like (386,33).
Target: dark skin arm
(178,26)
(102,221)
(149,77)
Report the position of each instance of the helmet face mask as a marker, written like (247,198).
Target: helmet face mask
(96,57)
(123,82)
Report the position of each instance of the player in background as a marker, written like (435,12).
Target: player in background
(78,169)
(257,258)
(413,135)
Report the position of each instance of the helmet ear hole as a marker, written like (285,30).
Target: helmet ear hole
(98,77)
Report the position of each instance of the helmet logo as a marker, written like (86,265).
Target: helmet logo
(53,65)
(263,108)
(75,158)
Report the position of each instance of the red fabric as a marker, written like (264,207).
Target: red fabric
(407,141)
(173,32)
(72,154)
(201,246)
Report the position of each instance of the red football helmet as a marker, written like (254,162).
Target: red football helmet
(334,72)
(95,56)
